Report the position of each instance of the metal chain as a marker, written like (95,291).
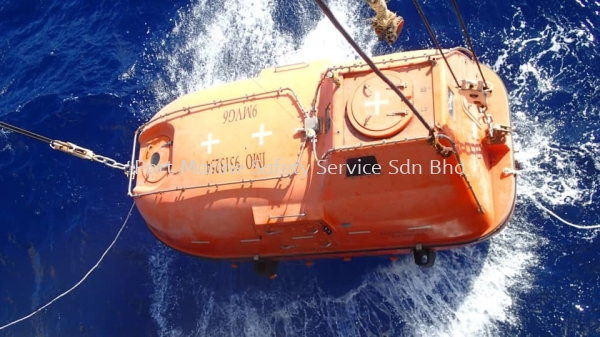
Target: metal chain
(487,119)
(84,153)
(110,162)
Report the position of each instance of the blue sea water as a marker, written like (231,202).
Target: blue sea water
(91,72)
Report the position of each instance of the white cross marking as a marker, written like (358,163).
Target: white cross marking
(261,134)
(376,103)
(209,143)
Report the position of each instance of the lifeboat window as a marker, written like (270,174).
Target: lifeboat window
(451,103)
(155,159)
(361,166)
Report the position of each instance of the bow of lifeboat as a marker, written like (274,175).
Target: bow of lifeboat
(318,160)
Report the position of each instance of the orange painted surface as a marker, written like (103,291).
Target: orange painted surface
(234,178)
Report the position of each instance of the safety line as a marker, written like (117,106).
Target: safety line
(78,283)
(537,203)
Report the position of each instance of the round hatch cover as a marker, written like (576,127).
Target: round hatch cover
(375,110)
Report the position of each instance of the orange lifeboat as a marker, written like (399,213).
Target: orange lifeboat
(320,160)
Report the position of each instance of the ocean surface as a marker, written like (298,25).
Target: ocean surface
(91,72)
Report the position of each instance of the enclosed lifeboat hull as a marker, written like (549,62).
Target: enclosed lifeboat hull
(316,160)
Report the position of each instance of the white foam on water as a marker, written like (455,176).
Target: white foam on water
(4,89)
(4,141)
(217,45)
(552,171)
(469,291)
(164,298)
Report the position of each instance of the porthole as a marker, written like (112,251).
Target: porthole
(155,159)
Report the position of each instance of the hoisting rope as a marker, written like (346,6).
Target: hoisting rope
(435,41)
(26,133)
(341,29)
(81,281)
(464,29)
(442,150)
(69,148)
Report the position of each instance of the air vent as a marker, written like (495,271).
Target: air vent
(362,166)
